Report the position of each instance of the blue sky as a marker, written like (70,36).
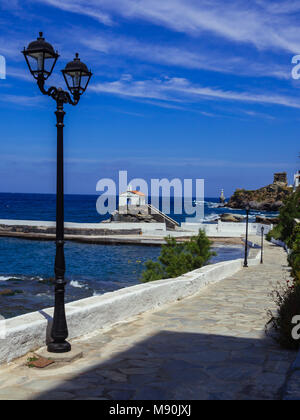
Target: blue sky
(181,88)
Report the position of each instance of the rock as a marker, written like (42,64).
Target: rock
(144,218)
(239,217)
(132,218)
(141,214)
(267,220)
(269,198)
(234,218)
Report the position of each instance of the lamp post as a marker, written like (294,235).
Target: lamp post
(262,245)
(41,59)
(246,242)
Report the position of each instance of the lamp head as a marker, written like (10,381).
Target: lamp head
(41,58)
(77,76)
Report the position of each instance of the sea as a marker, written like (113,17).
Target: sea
(26,267)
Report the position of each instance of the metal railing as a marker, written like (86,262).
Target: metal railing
(153,210)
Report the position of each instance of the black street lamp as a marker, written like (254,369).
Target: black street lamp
(41,59)
(262,244)
(246,242)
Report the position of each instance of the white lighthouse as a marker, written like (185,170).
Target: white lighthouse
(222,197)
(296,180)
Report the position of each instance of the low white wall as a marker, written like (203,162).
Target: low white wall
(226,229)
(210,229)
(28,332)
(145,227)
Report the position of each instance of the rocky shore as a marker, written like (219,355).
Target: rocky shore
(237,218)
(232,218)
(269,198)
(141,214)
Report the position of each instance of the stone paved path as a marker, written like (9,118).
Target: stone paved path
(210,346)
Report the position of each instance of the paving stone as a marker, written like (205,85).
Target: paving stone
(201,358)
(277,367)
(242,372)
(296,364)
(55,396)
(89,393)
(38,385)
(189,391)
(190,373)
(114,376)
(121,394)
(138,380)
(146,363)
(270,380)
(137,371)
(149,393)
(14,393)
(292,391)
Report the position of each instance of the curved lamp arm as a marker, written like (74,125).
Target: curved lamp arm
(57,94)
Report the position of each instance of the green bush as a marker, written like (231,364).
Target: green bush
(275,233)
(294,258)
(288,214)
(288,302)
(178,258)
(288,299)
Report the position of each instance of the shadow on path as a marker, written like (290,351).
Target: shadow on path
(182,366)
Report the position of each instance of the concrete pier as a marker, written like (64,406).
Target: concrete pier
(125,233)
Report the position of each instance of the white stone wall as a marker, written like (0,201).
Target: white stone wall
(131,199)
(224,229)
(145,227)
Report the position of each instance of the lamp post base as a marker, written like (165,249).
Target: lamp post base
(63,347)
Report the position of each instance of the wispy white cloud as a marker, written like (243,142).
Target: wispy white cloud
(180,56)
(144,89)
(182,91)
(258,114)
(281,7)
(19,73)
(257,23)
(11,47)
(89,8)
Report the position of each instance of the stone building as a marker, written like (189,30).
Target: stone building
(281,178)
(131,200)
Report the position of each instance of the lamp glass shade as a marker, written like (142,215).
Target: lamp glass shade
(77,76)
(41,58)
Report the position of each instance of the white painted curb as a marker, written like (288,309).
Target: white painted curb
(28,332)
